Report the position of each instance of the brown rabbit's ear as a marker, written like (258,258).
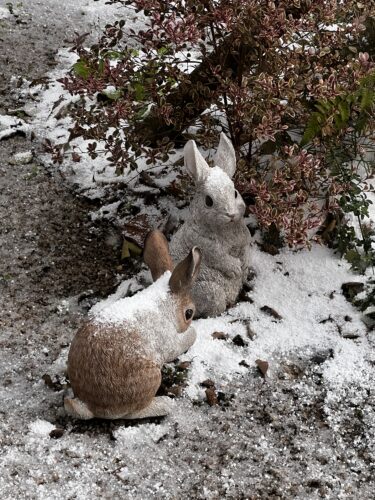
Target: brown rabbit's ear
(156,254)
(186,272)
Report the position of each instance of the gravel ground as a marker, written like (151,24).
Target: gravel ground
(269,438)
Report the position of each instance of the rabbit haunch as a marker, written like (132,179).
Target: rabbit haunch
(215,223)
(115,359)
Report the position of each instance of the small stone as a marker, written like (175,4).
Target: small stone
(219,335)
(56,433)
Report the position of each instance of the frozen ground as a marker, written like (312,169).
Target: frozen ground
(305,431)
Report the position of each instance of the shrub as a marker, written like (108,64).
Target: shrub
(268,73)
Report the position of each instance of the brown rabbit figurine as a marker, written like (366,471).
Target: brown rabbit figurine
(115,359)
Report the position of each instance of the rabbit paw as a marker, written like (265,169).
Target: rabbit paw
(159,407)
(234,270)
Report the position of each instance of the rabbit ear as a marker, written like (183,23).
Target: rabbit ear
(186,272)
(195,164)
(156,254)
(225,157)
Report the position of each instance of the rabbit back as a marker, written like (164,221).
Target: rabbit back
(111,370)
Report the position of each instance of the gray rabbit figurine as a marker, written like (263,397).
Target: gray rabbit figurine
(115,359)
(216,224)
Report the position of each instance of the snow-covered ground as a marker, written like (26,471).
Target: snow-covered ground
(305,430)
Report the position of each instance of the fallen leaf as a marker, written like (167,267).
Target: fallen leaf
(208,383)
(129,248)
(262,367)
(211,396)
(271,312)
(137,228)
(351,289)
(184,365)
(249,332)
(75,157)
(239,341)
(219,335)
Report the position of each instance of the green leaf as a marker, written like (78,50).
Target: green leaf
(139,91)
(82,69)
(367,99)
(162,51)
(101,66)
(344,110)
(313,128)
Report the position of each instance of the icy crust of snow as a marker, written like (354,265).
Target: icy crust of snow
(132,308)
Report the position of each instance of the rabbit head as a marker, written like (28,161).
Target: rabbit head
(180,278)
(216,199)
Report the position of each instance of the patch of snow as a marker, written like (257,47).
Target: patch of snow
(129,308)
(143,436)
(41,427)
(10,125)
(4,13)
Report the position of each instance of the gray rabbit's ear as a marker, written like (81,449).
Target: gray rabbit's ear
(195,164)
(186,272)
(156,254)
(225,157)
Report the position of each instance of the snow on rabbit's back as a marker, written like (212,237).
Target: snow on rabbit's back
(216,224)
(115,359)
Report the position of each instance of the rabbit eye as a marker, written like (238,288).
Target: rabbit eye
(209,201)
(236,193)
(189,314)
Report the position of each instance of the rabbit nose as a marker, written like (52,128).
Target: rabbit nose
(232,216)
